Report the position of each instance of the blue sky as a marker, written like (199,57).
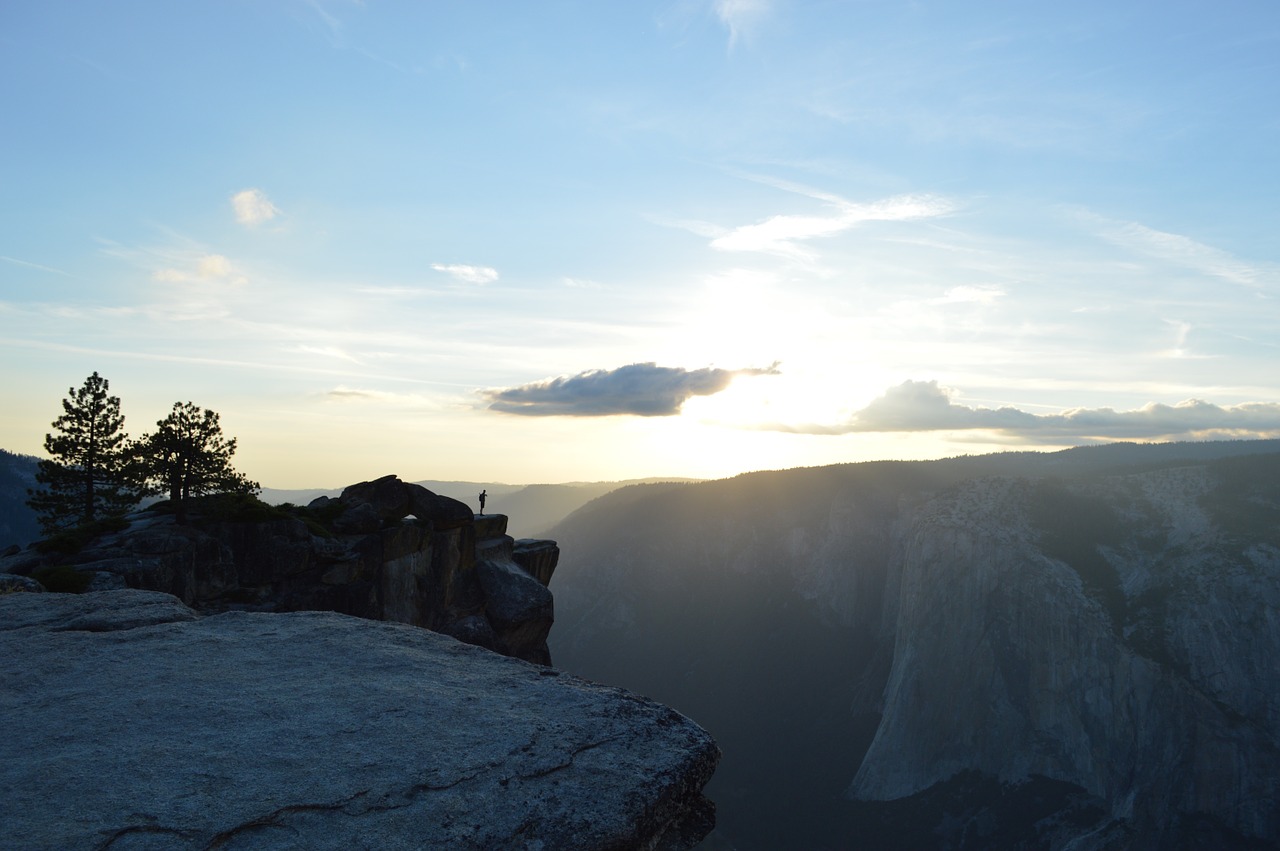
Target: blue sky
(582,241)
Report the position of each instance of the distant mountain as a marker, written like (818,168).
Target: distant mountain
(1021,650)
(17,522)
(531,509)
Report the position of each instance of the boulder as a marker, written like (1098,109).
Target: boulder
(473,629)
(11,584)
(519,607)
(145,726)
(537,558)
(516,603)
(389,498)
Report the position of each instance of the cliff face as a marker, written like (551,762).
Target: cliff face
(1140,669)
(18,524)
(1036,651)
(383,550)
(133,722)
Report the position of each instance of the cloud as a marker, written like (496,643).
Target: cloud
(965,294)
(782,234)
(331,22)
(343,393)
(1183,251)
(741,17)
(924,406)
(325,351)
(214,266)
(915,406)
(350,394)
(640,389)
(208,267)
(359,396)
(253,207)
(468,274)
(15,261)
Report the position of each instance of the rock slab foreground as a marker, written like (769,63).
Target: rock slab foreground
(133,723)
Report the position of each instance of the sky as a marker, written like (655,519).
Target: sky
(581,241)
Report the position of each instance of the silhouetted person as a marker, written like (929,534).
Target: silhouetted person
(482,498)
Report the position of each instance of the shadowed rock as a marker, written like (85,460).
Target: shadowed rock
(537,558)
(384,550)
(388,498)
(319,731)
(11,584)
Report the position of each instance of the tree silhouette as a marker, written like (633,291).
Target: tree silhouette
(188,456)
(87,477)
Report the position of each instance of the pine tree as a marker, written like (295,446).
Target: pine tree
(86,478)
(188,456)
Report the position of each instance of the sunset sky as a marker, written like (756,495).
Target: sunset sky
(557,241)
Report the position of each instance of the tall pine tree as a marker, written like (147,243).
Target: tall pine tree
(187,456)
(86,479)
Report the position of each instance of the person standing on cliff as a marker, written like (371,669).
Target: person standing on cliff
(482,499)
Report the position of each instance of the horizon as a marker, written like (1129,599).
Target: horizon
(515,487)
(692,238)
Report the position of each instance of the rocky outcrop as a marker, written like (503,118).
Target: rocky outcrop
(517,603)
(11,584)
(384,550)
(135,723)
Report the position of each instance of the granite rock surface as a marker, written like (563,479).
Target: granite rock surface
(137,724)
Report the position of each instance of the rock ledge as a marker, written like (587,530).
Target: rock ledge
(136,724)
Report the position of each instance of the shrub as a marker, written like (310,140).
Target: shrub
(225,508)
(319,520)
(63,579)
(71,541)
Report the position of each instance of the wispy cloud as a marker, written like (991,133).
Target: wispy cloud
(326,351)
(253,207)
(332,24)
(468,274)
(357,395)
(28,265)
(1183,251)
(783,234)
(917,406)
(741,17)
(1182,330)
(639,389)
(341,37)
(214,268)
(969,295)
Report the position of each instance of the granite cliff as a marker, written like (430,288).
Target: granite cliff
(1072,650)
